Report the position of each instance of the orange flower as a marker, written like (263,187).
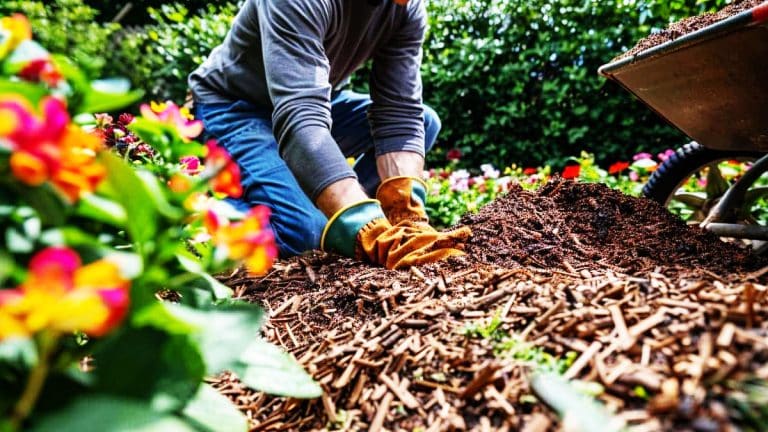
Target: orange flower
(249,240)
(62,295)
(227,181)
(49,148)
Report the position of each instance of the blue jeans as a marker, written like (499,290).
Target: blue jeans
(245,130)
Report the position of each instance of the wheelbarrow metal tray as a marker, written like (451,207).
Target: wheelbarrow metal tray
(711,84)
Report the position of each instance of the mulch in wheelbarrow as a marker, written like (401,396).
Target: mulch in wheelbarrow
(690,25)
(664,316)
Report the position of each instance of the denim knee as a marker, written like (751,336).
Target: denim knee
(432,126)
(298,234)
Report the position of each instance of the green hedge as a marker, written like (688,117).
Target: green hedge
(516,81)
(136,12)
(67,27)
(159,57)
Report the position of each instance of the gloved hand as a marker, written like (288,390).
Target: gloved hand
(403,198)
(361,231)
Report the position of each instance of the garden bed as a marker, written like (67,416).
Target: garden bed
(661,314)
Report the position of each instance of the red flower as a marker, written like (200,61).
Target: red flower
(571,171)
(454,155)
(618,167)
(41,70)
(530,171)
(227,181)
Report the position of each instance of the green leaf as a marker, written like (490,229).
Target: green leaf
(131,192)
(156,191)
(214,412)
(101,209)
(33,93)
(266,368)
(580,412)
(206,281)
(95,101)
(149,364)
(223,331)
(109,413)
(157,315)
(18,352)
(18,242)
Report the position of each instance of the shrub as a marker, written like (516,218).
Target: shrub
(67,27)
(160,56)
(92,238)
(137,13)
(517,80)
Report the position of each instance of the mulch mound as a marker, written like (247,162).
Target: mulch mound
(690,25)
(661,314)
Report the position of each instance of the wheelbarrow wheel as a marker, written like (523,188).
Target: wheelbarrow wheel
(686,161)
(667,184)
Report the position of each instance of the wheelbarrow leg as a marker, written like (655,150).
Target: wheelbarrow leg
(725,211)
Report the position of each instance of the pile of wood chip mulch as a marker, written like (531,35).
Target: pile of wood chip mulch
(662,315)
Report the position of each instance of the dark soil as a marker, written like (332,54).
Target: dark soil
(639,296)
(690,25)
(589,226)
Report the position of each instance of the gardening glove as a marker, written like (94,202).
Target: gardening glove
(361,231)
(403,198)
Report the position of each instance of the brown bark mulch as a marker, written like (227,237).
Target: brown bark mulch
(661,314)
(690,25)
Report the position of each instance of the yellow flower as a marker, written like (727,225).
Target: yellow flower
(14,30)
(61,295)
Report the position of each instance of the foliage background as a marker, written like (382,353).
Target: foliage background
(513,81)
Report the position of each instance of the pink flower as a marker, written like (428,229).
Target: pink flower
(641,156)
(666,154)
(190,165)
(170,114)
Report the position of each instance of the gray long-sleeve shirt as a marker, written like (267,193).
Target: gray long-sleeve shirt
(287,55)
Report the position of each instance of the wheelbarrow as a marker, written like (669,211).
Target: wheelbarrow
(711,84)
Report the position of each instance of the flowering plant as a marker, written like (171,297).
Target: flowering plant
(90,238)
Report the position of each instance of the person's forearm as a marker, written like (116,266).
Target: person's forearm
(338,195)
(398,164)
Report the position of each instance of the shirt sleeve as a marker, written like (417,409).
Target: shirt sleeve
(396,114)
(297,73)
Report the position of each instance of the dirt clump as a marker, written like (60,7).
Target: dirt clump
(690,25)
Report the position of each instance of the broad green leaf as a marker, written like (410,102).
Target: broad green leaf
(131,192)
(19,352)
(580,412)
(223,331)
(214,412)
(109,413)
(101,209)
(149,364)
(205,281)
(158,196)
(157,316)
(47,202)
(95,101)
(31,92)
(18,242)
(266,368)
